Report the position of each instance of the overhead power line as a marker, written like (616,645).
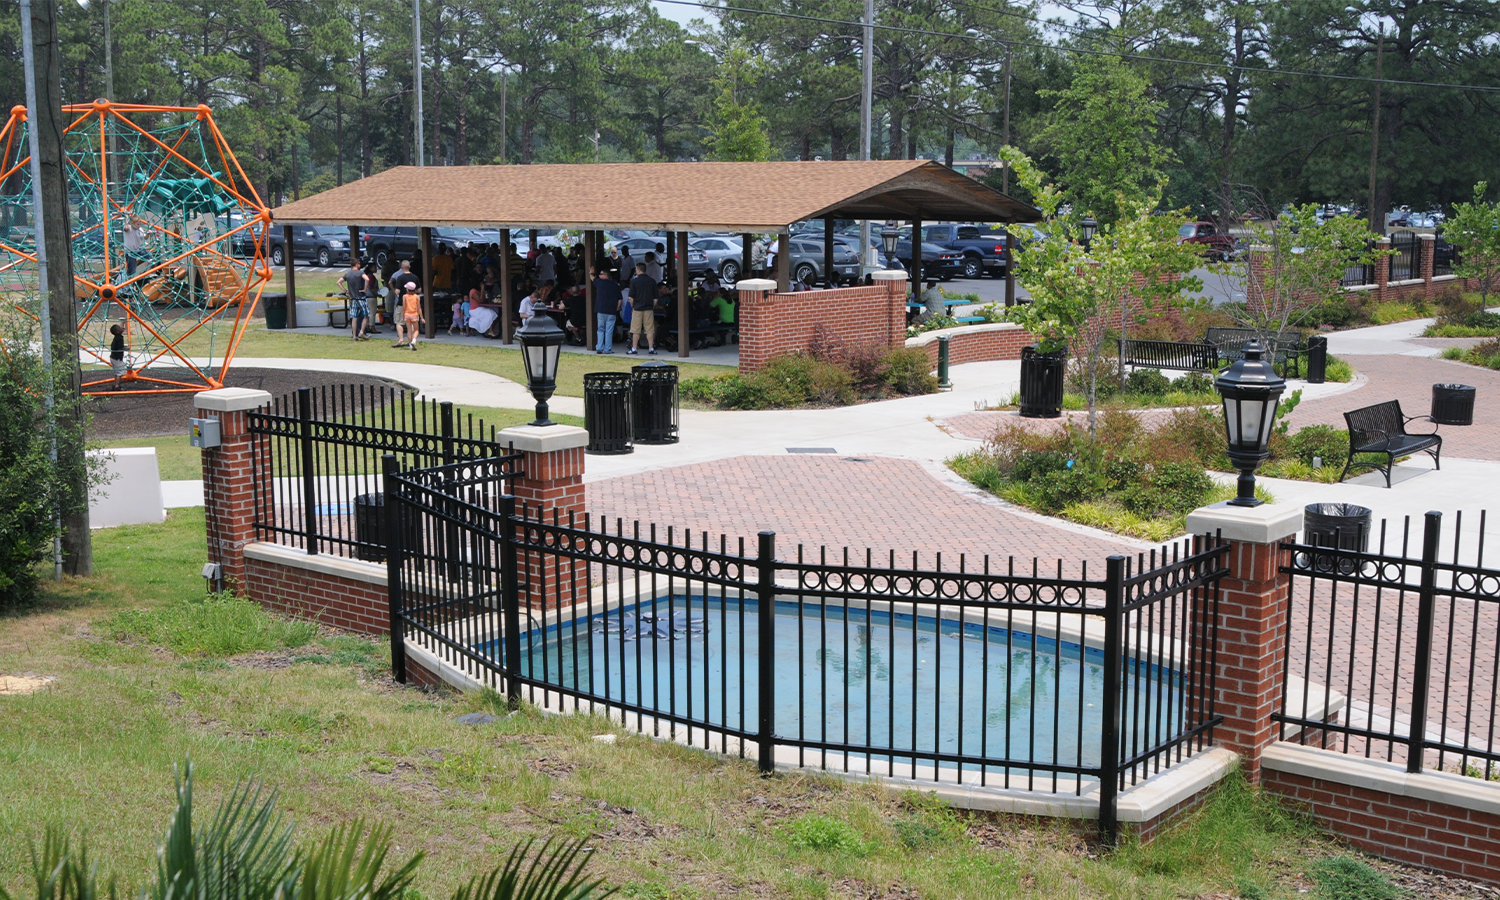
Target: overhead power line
(1063,48)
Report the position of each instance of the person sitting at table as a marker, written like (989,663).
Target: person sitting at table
(574,304)
(535,301)
(722,307)
(702,315)
(666,301)
(711,281)
(932,302)
(491,283)
(482,318)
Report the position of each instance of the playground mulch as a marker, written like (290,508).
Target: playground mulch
(132,414)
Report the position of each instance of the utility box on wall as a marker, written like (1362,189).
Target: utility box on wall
(204,434)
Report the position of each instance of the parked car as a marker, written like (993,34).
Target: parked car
(982,246)
(937,261)
(723,255)
(402,241)
(323,244)
(1217,245)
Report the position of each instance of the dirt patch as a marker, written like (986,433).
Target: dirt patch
(28,683)
(134,413)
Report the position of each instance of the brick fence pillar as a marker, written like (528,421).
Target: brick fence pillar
(552,484)
(1382,268)
(1426,244)
(228,478)
(757,323)
(895,283)
(1252,622)
(1257,268)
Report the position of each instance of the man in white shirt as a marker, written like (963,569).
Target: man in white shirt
(135,244)
(653,267)
(546,268)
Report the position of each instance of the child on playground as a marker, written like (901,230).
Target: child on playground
(117,352)
(411,318)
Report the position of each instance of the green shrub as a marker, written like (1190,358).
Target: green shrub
(1393,311)
(707,389)
(221,624)
(1171,488)
(1031,466)
(1453,353)
(909,372)
(1323,441)
(1338,371)
(1195,383)
(824,833)
(1148,383)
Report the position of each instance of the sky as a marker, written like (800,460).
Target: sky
(679,13)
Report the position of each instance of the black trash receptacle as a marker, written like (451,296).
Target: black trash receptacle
(369,529)
(606,412)
(1341,526)
(1042,376)
(275,305)
(1453,404)
(1317,360)
(653,403)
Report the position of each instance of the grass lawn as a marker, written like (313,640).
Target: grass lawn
(147,676)
(260,341)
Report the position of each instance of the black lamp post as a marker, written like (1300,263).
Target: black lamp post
(1088,228)
(888,238)
(1250,389)
(541,346)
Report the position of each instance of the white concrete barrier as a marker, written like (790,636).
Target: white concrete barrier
(312,314)
(133,494)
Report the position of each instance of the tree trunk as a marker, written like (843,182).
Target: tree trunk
(77,544)
(895,142)
(948,149)
(338,156)
(296,178)
(461,133)
(806,147)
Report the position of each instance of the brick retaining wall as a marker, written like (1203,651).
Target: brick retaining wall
(772,324)
(975,343)
(345,593)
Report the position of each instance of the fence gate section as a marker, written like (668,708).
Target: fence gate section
(987,673)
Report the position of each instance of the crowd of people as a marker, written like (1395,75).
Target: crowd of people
(629,294)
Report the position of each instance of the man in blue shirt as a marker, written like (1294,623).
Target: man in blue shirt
(607,303)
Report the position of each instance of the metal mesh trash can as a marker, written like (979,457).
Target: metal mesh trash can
(369,530)
(1042,377)
(1317,360)
(653,403)
(1453,404)
(1341,526)
(606,412)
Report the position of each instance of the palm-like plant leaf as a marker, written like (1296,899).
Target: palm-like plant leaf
(556,873)
(337,870)
(59,875)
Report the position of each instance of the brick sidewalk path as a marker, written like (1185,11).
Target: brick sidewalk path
(881,503)
(1410,380)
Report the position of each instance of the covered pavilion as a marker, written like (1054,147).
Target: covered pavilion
(739,197)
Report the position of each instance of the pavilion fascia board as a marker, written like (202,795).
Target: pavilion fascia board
(409,222)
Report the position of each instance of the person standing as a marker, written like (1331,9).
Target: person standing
(643,316)
(359,312)
(653,266)
(607,305)
(372,297)
(117,353)
(442,269)
(627,265)
(546,266)
(411,319)
(135,244)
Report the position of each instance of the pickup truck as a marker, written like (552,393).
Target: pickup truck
(982,246)
(1217,246)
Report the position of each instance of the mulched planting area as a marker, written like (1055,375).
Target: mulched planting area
(131,414)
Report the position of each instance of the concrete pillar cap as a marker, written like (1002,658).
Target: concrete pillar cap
(231,399)
(888,275)
(755,284)
(544,438)
(1266,524)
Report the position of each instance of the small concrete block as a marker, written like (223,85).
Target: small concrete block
(755,284)
(888,275)
(605,738)
(231,399)
(545,438)
(1248,524)
(476,719)
(133,494)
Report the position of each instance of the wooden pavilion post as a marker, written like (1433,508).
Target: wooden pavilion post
(828,273)
(588,288)
(745,241)
(424,240)
(505,285)
(684,319)
(916,257)
(783,262)
(1010,269)
(354,245)
(291,277)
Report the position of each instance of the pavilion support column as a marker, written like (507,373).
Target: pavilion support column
(531,238)
(828,274)
(1010,269)
(684,320)
(916,257)
(291,277)
(505,285)
(783,262)
(745,241)
(354,244)
(424,240)
(589,240)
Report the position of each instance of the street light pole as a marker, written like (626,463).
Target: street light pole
(416,47)
(1005,137)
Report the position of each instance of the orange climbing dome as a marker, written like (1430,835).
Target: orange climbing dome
(168,240)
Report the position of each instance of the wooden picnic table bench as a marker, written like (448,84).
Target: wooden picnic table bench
(1381,430)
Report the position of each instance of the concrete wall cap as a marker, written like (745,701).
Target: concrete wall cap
(1249,524)
(1260,248)
(231,399)
(1447,788)
(888,275)
(544,438)
(927,337)
(1426,237)
(755,284)
(323,564)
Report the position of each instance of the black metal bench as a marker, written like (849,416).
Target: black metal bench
(1182,355)
(1285,348)
(1381,430)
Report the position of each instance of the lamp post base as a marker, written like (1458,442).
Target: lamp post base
(541,414)
(1246,490)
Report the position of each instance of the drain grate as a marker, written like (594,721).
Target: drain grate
(811,450)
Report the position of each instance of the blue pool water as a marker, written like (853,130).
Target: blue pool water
(873,680)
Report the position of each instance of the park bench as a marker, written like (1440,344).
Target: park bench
(1284,349)
(1182,355)
(1381,430)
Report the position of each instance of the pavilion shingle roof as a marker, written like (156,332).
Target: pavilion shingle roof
(688,196)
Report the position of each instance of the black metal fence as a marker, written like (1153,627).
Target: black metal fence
(980,673)
(316,461)
(1395,653)
(1406,260)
